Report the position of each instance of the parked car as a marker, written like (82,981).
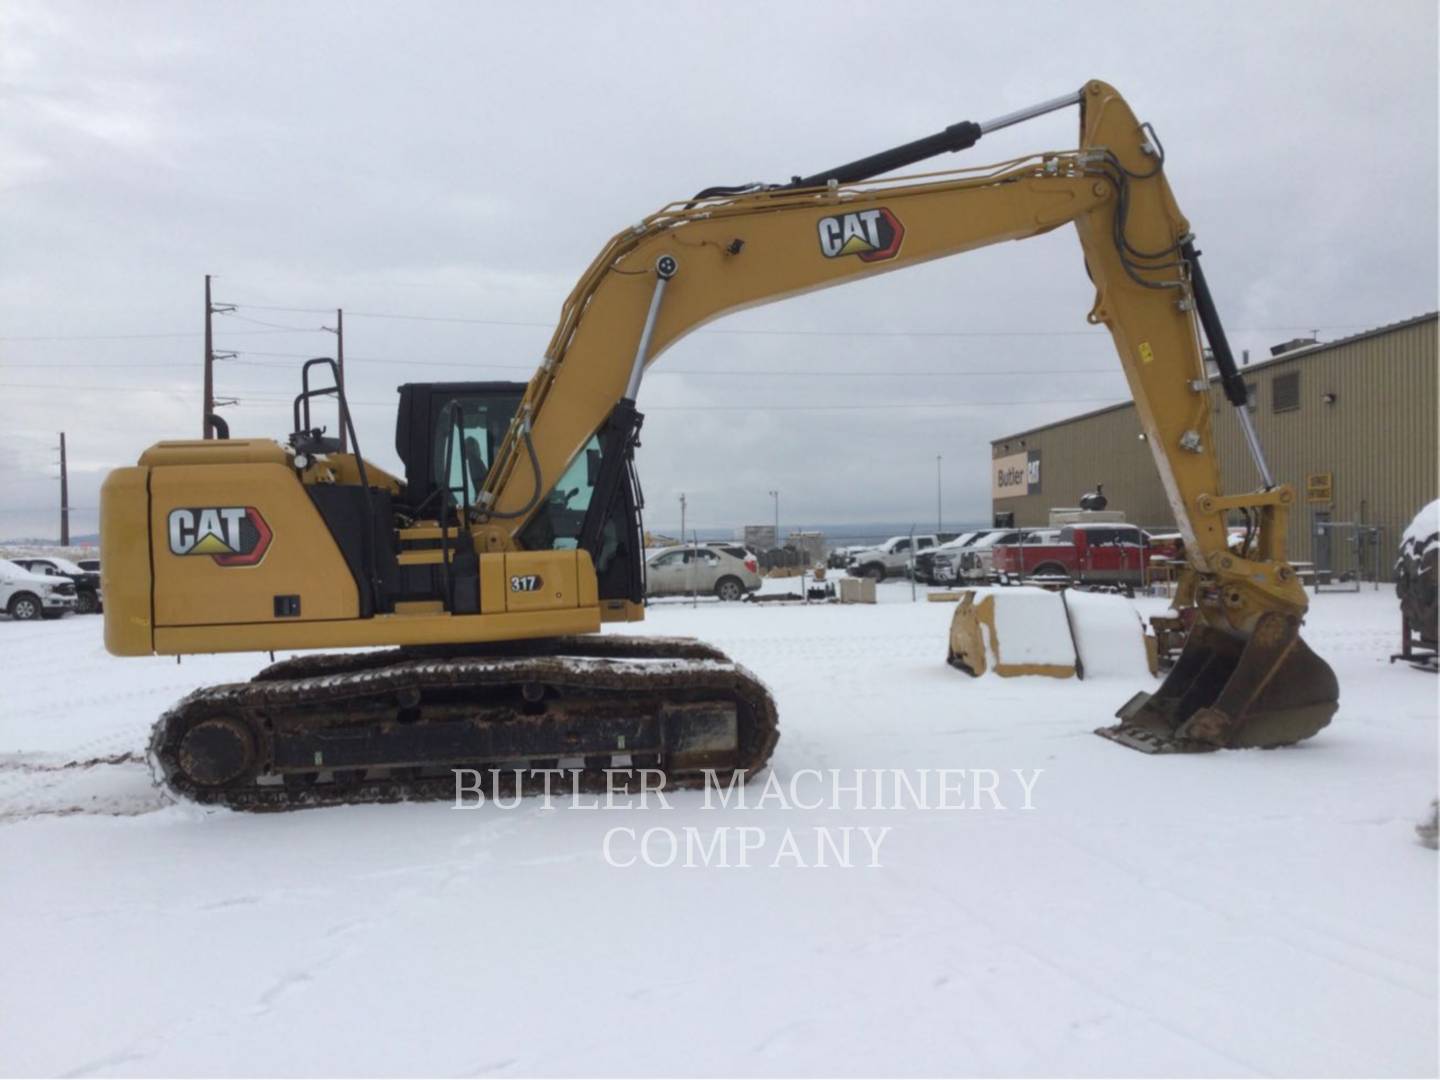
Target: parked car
(25,594)
(890,558)
(1086,554)
(937,565)
(839,558)
(736,548)
(975,562)
(89,600)
(683,571)
(89,565)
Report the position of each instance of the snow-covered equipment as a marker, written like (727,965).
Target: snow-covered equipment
(1415,584)
(1061,634)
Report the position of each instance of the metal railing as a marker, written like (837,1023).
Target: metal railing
(1348,554)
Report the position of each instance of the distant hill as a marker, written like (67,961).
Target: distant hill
(837,534)
(88,540)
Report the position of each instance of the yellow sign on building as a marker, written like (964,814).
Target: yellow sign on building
(1319,487)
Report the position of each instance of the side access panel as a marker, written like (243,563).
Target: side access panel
(242,544)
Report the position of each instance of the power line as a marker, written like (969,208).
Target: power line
(1001,333)
(727,372)
(262,399)
(793,333)
(130,337)
(296,310)
(274,326)
(184,388)
(100,364)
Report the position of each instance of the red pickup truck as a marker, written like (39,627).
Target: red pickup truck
(1107,554)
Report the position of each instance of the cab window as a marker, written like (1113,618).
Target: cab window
(557,525)
(467,453)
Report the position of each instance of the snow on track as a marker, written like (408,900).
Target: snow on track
(1259,912)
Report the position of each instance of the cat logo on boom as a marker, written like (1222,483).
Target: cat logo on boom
(231,535)
(874,235)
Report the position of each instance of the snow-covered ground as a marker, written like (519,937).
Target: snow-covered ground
(1228,914)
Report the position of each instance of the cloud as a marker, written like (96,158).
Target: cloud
(455,159)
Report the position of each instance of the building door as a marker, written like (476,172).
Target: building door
(1321,553)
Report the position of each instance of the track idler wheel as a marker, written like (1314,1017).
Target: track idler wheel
(1228,693)
(216,751)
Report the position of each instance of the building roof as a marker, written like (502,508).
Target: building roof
(1284,358)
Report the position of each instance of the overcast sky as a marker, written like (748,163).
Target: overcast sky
(465,162)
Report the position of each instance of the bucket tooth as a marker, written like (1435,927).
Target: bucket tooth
(1228,693)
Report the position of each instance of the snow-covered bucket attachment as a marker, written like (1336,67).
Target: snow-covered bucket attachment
(1022,630)
(1417,584)
(1230,693)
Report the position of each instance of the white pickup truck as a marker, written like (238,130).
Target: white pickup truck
(26,595)
(888,559)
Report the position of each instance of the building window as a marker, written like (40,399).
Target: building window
(1285,392)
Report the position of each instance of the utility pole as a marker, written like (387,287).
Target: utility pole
(208,406)
(776,496)
(682,517)
(939,499)
(64,496)
(339,332)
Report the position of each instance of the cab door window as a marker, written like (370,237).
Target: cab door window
(466,452)
(557,524)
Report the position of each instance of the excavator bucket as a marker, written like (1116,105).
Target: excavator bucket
(1229,693)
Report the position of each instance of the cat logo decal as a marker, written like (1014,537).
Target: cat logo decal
(231,535)
(873,235)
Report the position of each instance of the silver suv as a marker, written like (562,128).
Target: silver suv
(686,571)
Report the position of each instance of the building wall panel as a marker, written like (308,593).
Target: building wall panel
(1377,437)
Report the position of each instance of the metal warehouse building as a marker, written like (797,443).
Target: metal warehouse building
(1350,424)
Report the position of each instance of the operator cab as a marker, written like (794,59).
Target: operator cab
(428,442)
(448,436)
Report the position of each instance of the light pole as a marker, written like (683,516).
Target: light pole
(939,499)
(682,517)
(776,496)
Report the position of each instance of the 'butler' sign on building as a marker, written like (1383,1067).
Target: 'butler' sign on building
(1016,474)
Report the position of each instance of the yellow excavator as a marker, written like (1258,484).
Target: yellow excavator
(515,530)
